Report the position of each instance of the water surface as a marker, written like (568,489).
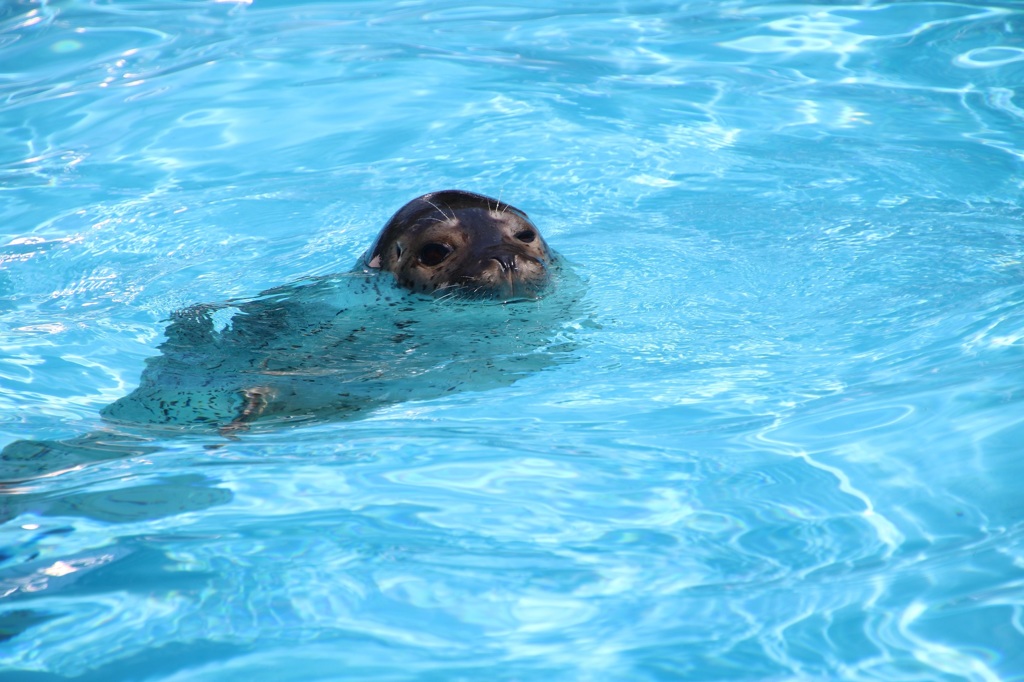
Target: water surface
(787,443)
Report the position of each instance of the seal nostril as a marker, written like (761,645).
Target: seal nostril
(505,261)
(526,236)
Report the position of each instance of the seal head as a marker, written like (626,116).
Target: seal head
(459,242)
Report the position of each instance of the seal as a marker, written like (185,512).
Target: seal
(460,242)
(456,293)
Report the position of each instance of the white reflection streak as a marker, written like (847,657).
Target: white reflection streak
(60,568)
(824,22)
(941,657)
(887,532)
(969,59)
(1000,99)
(1018,618)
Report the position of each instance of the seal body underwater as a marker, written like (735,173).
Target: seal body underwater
(454,294)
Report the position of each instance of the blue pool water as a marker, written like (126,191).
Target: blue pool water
(787,443)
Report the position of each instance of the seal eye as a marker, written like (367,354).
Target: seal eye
(434,253)
(526,236)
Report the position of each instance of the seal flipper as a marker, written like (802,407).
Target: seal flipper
(181,386)
(256,400)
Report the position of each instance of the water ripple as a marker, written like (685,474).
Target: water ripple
(788,446)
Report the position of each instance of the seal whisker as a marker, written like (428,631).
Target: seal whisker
(448,292)
(440,210)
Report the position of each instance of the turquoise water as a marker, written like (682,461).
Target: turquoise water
(787,441)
